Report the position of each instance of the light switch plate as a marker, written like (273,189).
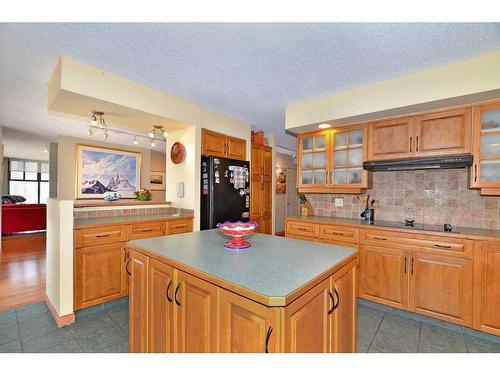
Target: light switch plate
(339,202)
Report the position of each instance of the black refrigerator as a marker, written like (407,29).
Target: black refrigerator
(225,191)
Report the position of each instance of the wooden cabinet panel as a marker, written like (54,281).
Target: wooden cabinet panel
(302,229)
(443,133)
(487,287)
(338,233)
(213,143)
(256,161)
(267,162)
(146,230)
(266,224)
(160,307)
(441,287)
(196,315)
(255,203)
(179,226)
(344,314)
(236,148)
(307,322)
(390,139)
(99,274)
(247,326)
(100,235)
(384,276)
(138,302)
(266,198)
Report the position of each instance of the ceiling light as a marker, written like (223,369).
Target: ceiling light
(135,140)
(46,149)
(324,126)
(93,119)
(106,134)
(90,131)
(152,143)
(165,134)
(151,134)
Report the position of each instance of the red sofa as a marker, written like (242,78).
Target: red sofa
(23,217)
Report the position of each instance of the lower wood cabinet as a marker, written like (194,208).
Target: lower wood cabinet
(487,286)
(138,302)
(441,287)
(99,274)
(172,311)
(247,326)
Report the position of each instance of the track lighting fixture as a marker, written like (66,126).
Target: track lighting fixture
(90,131)
(134,141)
(106,134)
(165,134)
(152,143)
(93,119)
(46,149)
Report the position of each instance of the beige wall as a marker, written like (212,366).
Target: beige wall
(66,163)
(465,81)
(281,161)
(158,164)
(1,176)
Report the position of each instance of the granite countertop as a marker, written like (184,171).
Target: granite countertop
(116,220)
(272,267)
(463,232)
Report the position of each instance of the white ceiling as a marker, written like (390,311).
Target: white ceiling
(248,71)
(23,145)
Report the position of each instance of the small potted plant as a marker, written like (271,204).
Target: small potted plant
(142,195)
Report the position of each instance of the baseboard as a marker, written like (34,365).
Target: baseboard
(61,321)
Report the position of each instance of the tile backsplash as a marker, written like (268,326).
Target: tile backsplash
(131,211)
(437,197)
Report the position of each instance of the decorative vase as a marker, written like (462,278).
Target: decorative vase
(237,230)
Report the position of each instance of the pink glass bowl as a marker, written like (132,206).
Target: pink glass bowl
(237,230)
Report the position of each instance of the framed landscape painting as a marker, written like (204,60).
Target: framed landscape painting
(99,170)
(157,180)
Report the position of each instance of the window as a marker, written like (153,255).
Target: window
(29,179)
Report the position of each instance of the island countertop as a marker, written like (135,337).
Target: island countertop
(274,268)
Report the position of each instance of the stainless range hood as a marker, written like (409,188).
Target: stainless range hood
(434,162)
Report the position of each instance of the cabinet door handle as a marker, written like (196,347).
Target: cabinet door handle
(406,259)
(330,310)
(102,235)
(126,267)
(175,294)
(380,238)
(411,141)
(411,270)
(442,246)
(147,230)
(417,143)
(338,298)
(475,172)
(268,336)
(331,177)
(168,289)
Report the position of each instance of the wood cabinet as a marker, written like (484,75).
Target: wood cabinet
(247,326)
(441,287)
(332,160)
(485,172)
(195,314)
(487,287)
(99,275)
(175,311)
(443,133)
(217,144)
(100,257)
(390,139)
(160,308)
(261,180)
(383,275)
(138,302)
(343,285)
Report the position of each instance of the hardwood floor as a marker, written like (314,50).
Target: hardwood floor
(22,270)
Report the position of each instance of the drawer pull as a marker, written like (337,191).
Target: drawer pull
(102,235)
(337,233)
(442,246)
(147,230)
(301,228)
(380,238)
(180,226)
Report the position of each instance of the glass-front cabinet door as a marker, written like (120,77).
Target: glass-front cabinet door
(486,168)
(347,156)
(313,158)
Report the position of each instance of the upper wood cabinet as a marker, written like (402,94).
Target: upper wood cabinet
(487,286)
(443,133)
(432,134)
(486,169)
(332,160)
(217,144)
(261,179)
(391,139)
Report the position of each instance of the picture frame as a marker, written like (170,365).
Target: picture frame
(156,180)
(102,169)
(281,180)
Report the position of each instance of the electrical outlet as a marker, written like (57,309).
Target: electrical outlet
(339,202)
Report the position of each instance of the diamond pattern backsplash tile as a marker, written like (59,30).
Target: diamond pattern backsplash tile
(437,197)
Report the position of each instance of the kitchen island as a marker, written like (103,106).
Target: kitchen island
(189,294)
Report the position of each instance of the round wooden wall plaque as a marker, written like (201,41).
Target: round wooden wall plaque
(177,152)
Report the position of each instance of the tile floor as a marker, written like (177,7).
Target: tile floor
(104,329)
